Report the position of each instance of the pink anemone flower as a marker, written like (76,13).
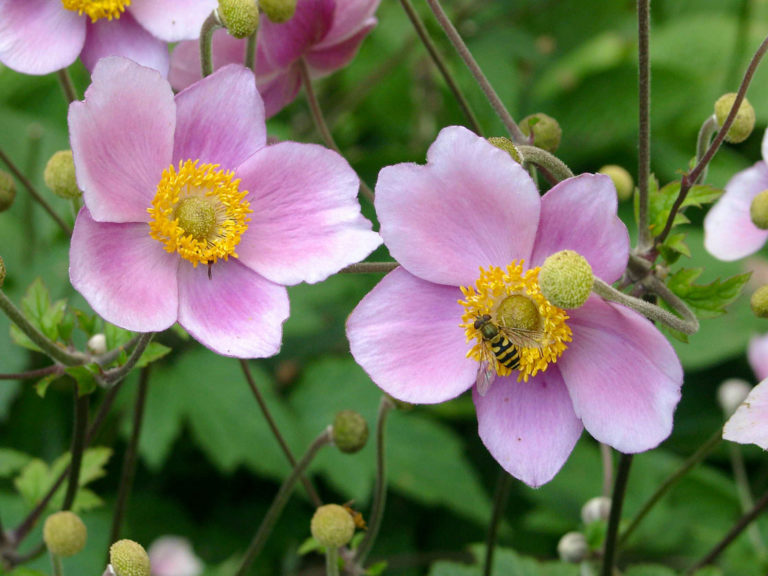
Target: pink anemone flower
(469,231)
(42,36)
(190,217)
(729,233)
(749,423)
(325,33)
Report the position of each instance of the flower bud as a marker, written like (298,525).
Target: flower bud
(7,190)
(730,395)
(59,175)
(240,17)
(758,210)
(350,431)
(572,547)
(743,123)
(97,344)
(759,302)
(506,145)
(64,534)
(622,181)
(596,509)
(173,556)
(332,526)
(566,279)
(278,11)
(545,129)
(128,558)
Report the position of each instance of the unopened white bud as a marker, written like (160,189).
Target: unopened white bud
(572,547)
(97,344)
(731,394)
(598,508)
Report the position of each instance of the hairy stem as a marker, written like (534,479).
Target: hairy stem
(111,377)
(370,268)
(211,24)
(551,164)
(644,125)
(617,502)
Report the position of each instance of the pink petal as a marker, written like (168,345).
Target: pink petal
(749,424)
(173,20)
(528,427)
(758,356)
(235,312)
(405,334)
(349,18)
(185,59)
(331,57)
(126,276)
(220,119)
(285,43)
(124,37)
(580,214)
(306,222)
(279,89)
(39,36)
(623,376)
(122,138)
(470,206)
(729,233)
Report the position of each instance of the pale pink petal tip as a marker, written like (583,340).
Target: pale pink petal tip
(757,354)
(173,556)
(749,424)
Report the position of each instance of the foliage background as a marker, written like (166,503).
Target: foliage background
(209,466)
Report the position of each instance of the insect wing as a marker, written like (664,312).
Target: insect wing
(486,374)
(523,338)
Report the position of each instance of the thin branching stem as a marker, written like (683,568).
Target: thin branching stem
(554,169)
(437,58)
(111,377)
(34,193)
(313,495)
(500,498)
(617,503)
(65,80)
(250,51)
(260,538)
(78,447)
(129,460)
(211,24)
(34,374)
(692,461)
(644,124)
(515,133)
(693,176)
(370,268)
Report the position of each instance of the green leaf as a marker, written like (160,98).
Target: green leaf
(649,570)
(85,376)
(153,352)
(506,562)
(44,315)
(595,534)
(674,247)
(661,203)
(41,386)
(11,461)
(706,300)
(377,568)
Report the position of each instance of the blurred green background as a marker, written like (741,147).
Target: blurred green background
(209,466)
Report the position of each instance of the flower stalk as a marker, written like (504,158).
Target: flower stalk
(211,24)
(644,121)
(554,168)
(500,498)
(617,502)
(78,447)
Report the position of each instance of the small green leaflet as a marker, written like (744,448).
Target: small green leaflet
(706,300)
(49,317)
(661,202)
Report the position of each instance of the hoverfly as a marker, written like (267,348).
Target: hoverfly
(502,344)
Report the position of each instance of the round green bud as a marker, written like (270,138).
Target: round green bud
(64,534)
(596,509)
(350,431)
(545,129)
(2,272)
(332,526)
(7,190)
(240,17)
(759,302)
(506,145)
(278,11)
(622,181)
(758,210)
(743,123)
(566,279)
(128,558)
(59,175)
(573,547)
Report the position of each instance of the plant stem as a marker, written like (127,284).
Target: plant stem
(617,502)
(32,374)
(280,501)
(77,449)
(320,124)
(111,377)
(34,193)
(644,124)
(129,460)
(56,564)
(606,455)
(370,268)
(500,498)
(313,495)
(707,130)
(745,496)
(65,80)
(553,166)
(692,461)
(211,24)
(691,177)
(516,135)
(380,488)
(737,529)
(421,30)
(332,561)
(250,52)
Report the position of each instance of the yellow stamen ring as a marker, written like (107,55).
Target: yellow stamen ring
(199,212)
(491,296)
(97,9)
